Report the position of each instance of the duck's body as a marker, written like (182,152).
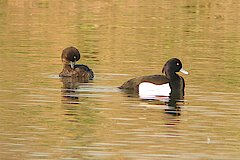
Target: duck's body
(79,70)
(69,57)
(133,84)
(170,84)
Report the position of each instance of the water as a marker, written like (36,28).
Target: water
(41,119)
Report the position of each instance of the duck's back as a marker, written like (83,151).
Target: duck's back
(133,84)
(80,70)
(84,70)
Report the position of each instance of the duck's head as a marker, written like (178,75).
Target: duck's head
(172,66)
(70,55)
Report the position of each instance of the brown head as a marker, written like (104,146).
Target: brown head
(70,55)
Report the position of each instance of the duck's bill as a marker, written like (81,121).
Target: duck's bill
(72,64)
(183,71)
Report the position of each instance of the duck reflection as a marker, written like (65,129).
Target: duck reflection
(172,104)
(174,107)
(70,91)
(171,108)
(176,100)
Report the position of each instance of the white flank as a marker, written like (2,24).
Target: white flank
(150,90)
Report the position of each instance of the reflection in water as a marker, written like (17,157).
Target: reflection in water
(70,84)
(173,102)
(125,39)
(171,108)
(174,107)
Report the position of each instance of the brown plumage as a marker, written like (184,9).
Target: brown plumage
(134,83)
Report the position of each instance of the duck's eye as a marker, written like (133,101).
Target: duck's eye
(178,64)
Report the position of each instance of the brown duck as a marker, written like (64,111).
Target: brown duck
(70,56)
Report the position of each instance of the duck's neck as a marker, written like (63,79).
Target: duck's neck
(172,75)
(176,85)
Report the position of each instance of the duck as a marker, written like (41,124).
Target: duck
(70,56)
(168,85)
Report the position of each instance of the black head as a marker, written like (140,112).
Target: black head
(173,65)
(70,55)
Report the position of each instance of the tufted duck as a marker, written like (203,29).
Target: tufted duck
(70,56)
(170,84)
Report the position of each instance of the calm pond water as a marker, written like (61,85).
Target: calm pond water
(41,118)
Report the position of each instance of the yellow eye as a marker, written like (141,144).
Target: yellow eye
(178,64)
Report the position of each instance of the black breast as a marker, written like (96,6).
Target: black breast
(177,88)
